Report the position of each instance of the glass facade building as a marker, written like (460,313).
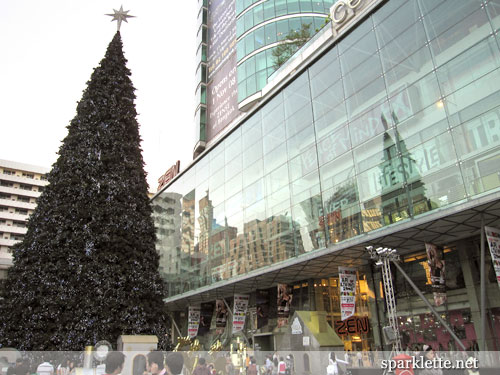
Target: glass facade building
(261,26)
(397,120)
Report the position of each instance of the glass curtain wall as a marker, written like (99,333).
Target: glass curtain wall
(400,118)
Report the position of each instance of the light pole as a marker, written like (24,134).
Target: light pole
(383,257)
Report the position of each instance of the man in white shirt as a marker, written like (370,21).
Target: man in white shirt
(45,368)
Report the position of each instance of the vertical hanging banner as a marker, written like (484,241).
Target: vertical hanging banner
(193,321)
(220,316)
(284,303)
(206,312)
(438,275)
(239,312)
(493,238)
(262,302)
(347,283)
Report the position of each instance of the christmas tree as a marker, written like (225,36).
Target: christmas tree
(87,269)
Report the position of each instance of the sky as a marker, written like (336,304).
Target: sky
(48,50)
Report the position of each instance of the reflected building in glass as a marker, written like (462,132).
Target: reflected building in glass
(383,131)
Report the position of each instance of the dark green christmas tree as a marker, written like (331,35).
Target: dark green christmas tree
(87,269)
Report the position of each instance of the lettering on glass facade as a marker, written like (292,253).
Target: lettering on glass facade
(169,174)
(344,10)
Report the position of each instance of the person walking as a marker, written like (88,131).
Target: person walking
(45,368)
(201,368)
(174,362)
(114,363)
(281,367)
(156,363)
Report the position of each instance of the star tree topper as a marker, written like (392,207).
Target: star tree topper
(120,15)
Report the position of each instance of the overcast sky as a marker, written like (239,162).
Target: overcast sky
(48,51)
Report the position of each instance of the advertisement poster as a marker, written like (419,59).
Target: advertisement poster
(438,274)
(284,303)
(220,316)
(193,321)
(239,312)
(347,283)
(222,88)
(262,302)
(493,238)
(206,312)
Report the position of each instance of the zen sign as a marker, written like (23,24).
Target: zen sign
(344,10)
(355,325)
(169,174)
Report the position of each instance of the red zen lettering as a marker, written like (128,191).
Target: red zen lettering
(169,174)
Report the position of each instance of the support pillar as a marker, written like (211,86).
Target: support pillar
(464,254)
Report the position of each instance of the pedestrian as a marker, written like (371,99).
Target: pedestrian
(347,358)
(229,365)
(114,363)
(19,369)
(274,370)
(139,365)
(359,356)
(201,368)
(269,364)
(281,367)
(156,363)
(174,362)
(289,364)
(430,355)
(45,368)
(252,367)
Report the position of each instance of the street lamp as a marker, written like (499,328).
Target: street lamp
(382,257)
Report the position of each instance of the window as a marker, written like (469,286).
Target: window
(20,224)
(23,199)
(6,183)
(28,175)
(25,187)
(21,211)
(9,172)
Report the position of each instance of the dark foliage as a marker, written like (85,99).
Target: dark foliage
(87,269)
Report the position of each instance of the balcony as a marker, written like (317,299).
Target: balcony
(18,191)
(13,229)
(17,204)
(5,242)
(13,216)
(23,180)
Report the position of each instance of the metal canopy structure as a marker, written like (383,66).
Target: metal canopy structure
(439,227)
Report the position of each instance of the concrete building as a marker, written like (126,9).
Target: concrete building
(20,186)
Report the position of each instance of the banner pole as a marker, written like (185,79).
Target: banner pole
(175,325)
(436,314)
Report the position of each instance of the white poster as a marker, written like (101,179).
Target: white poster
(239,311)
(493,238)
(347,282)
(193,321)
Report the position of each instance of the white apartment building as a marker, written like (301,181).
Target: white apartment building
(20,186)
